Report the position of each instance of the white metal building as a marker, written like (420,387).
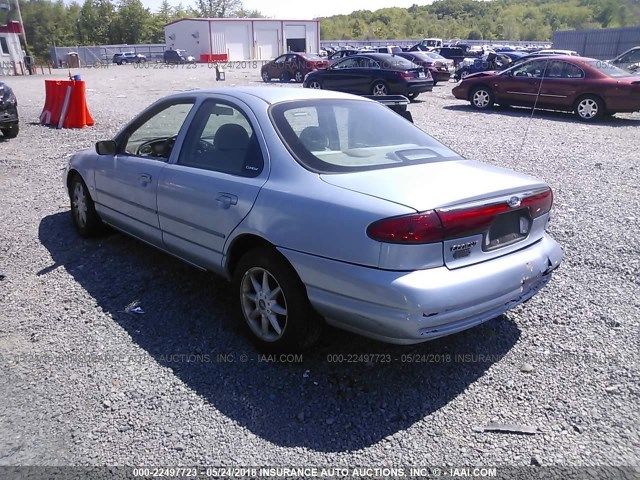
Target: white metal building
(10,48)
(210,39)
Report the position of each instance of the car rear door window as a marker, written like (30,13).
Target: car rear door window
(222,139)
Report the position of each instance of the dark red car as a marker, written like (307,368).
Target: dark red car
(590,88)
(439,70)
(292,65)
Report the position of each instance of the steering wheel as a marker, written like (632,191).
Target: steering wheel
(203,147)
(158,147)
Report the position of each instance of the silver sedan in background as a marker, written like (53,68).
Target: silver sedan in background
(320,206)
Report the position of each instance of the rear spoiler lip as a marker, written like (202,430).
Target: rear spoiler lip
(397,103)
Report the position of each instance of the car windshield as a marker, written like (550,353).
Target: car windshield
(609,69)
(329,136)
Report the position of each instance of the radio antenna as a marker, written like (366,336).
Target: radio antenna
(535,104)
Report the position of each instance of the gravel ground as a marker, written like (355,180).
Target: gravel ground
(84,382)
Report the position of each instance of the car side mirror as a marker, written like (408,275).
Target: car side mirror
(106,147)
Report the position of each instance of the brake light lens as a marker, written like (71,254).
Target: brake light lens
(539,204)
(422,227)
(442,224)
(468,221)
(405,74)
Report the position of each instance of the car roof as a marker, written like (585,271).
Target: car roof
(272,95)
(561,57)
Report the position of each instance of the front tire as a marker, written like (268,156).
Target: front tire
(589,108)
(379,88)
(11,131)
(412,96)
(83,210)
(273,303)
(481,98)
(315,84)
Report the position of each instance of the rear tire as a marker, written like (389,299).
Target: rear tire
(481,98)
(265,77)
(379,88)
(412,96)
(83,210)
(589,108)
(10,131)
(273,305)
(298,77)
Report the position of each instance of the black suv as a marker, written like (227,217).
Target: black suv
(177,56)
(8,112)
(129,57)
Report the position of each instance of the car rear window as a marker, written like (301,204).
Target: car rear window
(395,62)
(329,136)
(315,58)
(609,69)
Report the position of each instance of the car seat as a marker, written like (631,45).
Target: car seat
(231,143)
(314,139)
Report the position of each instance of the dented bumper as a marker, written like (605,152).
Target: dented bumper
(412,307)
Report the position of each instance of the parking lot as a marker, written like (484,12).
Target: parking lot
(87,381)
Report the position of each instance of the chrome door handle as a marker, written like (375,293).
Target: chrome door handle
(227,199)
(144,179)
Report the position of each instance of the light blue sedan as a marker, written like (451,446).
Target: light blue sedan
(320,206)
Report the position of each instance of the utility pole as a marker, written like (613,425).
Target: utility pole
(24,34)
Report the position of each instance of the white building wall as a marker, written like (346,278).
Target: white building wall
(237,38)
(240,39)
(189,35)
(14,53)
(267,40)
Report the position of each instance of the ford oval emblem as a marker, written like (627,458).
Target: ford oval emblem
(514,202)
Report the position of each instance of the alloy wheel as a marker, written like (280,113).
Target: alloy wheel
(263,304)
(481,98)
(80,204)
(379,89)
(588,108)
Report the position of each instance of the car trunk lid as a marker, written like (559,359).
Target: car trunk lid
(485,211)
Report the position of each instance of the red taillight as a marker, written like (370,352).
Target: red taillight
(406,74)
(445,223)
(462,222)
(539,204)
(467,221)
(422,227)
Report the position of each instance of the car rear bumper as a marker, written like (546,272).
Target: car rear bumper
(441,76)
(415,87)
(413,307)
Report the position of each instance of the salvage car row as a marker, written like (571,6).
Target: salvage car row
(590,88)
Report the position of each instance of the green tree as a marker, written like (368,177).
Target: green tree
(474,35)
(133,23)
(218,8)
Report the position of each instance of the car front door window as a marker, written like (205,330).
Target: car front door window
(155,136)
